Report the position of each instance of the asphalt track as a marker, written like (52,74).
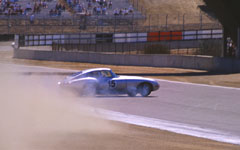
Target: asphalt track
(200,110)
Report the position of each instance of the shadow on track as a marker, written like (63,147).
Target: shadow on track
(122,96)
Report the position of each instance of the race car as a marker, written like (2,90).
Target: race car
(105,81)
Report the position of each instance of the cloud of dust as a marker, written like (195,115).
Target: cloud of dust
(31,108)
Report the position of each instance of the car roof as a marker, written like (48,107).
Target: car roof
(95,69)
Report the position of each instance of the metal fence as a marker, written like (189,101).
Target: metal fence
(104,23)
(192,42)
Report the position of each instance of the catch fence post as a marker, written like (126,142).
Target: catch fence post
(8,24)
(167,22)
(114,24)
(238,44)
(149,22)
(97,22)
(137,5)
(62,24)
(178,18)
(183,22)
(201,19)
(114,41)
(132,22)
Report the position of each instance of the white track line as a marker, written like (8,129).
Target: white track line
(175,127)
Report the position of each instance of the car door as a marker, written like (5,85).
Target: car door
(105,77)
(117,86)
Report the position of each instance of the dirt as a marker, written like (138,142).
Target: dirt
(172,7)
(177,12)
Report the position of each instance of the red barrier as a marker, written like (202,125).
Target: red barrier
(153,36)
(177,35)
(165,36)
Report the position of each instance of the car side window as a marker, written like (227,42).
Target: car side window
(106,74)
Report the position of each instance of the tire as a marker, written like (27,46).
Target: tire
(145,89)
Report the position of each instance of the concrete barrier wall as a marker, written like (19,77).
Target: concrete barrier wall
(173,61)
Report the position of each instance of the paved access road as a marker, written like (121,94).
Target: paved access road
(198,107)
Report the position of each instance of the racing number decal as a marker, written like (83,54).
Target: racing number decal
(112,84)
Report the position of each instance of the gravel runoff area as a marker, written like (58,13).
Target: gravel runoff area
(120,136)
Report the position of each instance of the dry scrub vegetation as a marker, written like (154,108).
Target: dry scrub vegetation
(171,6)
(173,11)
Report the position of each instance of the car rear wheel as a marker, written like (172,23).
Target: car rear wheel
(145,90)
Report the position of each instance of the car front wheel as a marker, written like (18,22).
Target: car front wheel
(145,90)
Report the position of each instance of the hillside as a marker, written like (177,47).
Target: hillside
(171,7)
(175,12)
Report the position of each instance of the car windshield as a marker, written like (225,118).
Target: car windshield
(108,74)
(114,75)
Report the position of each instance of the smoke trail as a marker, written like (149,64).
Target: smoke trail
(32,109)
